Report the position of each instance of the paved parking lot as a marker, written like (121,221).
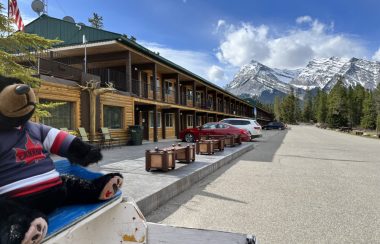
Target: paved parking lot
(304,185)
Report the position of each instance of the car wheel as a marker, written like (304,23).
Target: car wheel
(189,137)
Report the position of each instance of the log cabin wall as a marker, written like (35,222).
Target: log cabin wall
(126,104)
(57,92)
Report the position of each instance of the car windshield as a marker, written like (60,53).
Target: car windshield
(209,126)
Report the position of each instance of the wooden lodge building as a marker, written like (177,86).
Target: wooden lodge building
(151,91)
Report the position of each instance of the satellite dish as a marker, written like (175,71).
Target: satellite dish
(38,6)
(69,19)
(81,23)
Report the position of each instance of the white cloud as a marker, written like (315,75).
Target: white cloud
(220,24)
(376,55)
(196,62)
(293,49)
(241,44)
(215,74)
(303,19)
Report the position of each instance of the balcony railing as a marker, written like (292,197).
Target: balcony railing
(140,88)
(170,95)
(204,105)
(111,76)
(59,70)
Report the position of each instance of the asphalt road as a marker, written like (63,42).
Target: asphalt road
(303,185)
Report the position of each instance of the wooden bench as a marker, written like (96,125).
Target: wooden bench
(345,129)
(359,132)
(163,159)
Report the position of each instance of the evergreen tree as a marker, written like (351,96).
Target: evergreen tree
(12,42)
(376,96)
(351,111)
(308,107)
(297,110)
(322,109)
(337,105)
(368,120)
(316,99)
(96,21)
(277,108)
(357,104)
(288,109)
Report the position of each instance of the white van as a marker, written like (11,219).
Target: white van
(250,125)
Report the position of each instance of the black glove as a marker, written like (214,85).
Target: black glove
(83,153)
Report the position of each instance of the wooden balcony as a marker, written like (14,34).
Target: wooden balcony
(59,70)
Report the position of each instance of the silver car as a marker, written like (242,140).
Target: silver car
(251,125)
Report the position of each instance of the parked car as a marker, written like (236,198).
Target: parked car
(274,125)
(213,128)
(250,125)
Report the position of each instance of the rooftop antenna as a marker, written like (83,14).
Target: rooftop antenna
(40,6)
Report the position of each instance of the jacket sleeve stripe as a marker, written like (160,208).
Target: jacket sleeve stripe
(49,140)
(59,139)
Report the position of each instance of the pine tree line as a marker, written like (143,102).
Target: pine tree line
(341,107)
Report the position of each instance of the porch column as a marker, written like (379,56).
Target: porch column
(206,98)
(128,72)
(154,74)
(223,103)
(155,122)
(215,100)
(177,90)
(163,125)
(194,119)
(194,91)
(177,121)
(235,108)
(163,90)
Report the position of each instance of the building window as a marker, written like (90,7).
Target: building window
(169,118)
(113,117)
(62,116)
(189,119)
(151,121)
(189,94)
(152,84)
(198,97)
(168,87)
(199,121)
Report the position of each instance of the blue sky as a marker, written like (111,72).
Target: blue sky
(214,38)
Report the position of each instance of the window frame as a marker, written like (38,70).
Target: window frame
(72,123)
(191,124)
(189,94)
(168,87)
(169,117)
(122,112)
(159,119)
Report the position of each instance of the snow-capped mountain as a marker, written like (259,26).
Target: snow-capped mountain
(256,79)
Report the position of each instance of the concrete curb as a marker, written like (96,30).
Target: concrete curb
(159,198)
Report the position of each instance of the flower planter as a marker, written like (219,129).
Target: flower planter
(205,147)
(184,154)
(159,159)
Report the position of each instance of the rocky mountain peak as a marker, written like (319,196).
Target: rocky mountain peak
(256,79)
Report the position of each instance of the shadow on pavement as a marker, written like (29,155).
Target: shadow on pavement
(265,149)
